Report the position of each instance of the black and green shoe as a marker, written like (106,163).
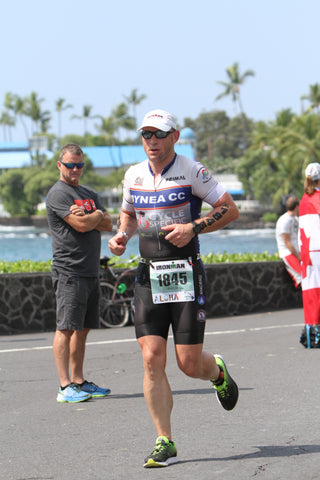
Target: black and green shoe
(227,392)
(163,455)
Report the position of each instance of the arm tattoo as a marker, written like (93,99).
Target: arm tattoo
(215,216)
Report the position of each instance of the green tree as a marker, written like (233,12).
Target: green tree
(218,138)
(37,183)
(107,129)
(134,100)
(86,115)
(15,191)
(313,97)
(301,141)
(232,86)
(61,106)
(19,108)
(7,120)
(122,119)
(232,89)
(273,166)
(12,193)
(40,118)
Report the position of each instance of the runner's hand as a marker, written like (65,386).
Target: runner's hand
(179,234)
(117,244)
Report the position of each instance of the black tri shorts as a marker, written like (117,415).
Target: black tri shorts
(186,318)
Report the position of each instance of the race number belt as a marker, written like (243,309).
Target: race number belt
(172,281)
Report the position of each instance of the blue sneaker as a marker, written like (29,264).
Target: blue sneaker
(72,394)
(94,390)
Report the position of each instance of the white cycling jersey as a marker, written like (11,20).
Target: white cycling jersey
(176,198)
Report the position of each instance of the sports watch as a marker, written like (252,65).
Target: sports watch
(196,228)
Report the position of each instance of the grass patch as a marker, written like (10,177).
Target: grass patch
(25,266)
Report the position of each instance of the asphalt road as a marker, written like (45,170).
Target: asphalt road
(271,434)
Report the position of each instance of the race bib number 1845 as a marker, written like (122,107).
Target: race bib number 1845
(172,281)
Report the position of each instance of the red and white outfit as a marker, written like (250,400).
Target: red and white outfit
(309,240)
(289,224)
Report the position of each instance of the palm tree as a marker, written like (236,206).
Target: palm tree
(107,128)
(33,110)
(232,88)
(19,109)
(45,118)
(86,115)
(302,141)
(122,119)
(60,107)
(274,164)
(313,96)
(6,119)
(134,99)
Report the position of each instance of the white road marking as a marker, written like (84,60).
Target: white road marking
(127,340)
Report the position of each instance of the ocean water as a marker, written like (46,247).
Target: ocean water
(30,243)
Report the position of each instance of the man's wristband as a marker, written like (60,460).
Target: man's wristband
(101,212)
(196,227)
(125,235)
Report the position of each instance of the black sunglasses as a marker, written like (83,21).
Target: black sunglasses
(72,165)
(147,134)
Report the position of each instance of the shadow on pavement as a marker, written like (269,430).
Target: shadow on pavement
(198,391)
(264,452)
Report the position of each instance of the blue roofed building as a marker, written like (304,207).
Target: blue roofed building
(14,155)
(18,155)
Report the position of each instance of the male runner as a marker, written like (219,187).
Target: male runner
(162,197)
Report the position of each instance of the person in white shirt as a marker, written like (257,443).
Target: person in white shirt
(287,228)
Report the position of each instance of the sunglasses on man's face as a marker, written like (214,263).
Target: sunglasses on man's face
(72,165)
(147,134)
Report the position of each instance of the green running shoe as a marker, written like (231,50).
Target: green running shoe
(227,392)
(163,455)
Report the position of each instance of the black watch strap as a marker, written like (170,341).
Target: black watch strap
(196,228)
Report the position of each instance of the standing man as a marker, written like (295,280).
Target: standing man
(76,218)
(162,198)
(287,228)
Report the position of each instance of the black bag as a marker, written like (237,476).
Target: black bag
(310,336)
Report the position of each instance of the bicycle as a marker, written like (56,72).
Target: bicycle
(116,294)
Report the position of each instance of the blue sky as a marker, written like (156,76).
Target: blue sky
(174,51)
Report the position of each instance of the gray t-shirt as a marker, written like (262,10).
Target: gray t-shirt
(73,252)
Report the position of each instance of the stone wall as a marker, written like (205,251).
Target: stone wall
(27,302)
